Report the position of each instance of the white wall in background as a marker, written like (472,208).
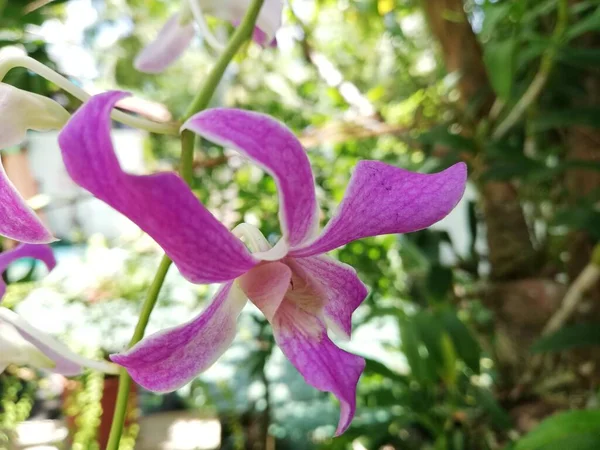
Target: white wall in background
(71,208)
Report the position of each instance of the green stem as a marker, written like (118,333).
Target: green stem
(118,422)
(241,35)
(11,62)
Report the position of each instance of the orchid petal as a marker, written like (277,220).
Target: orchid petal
(22,111)
(66,362)
(383,199)
(233,11)
(343,290)
(41,252)
(274,147)
(167,360)
(303,339)
(167,47)
(266,285)
(162,204)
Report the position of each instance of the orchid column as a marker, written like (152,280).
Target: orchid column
(243,33)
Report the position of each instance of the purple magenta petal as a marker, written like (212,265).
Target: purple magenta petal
(266,285)
(383,199)
(303,339)
(66,362)
(41,252)
(162,204)
(17,220)
(274,147)
(167,47)
(169,359)
(268,21)
(343,290)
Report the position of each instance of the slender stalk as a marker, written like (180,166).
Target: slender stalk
(6,64)
(241,35)
(124,379)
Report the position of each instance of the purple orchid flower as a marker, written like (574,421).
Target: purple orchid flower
(177,33)
(300,290)
(22,111)
(23,344)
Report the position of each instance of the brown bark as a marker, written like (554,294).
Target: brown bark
(511,252)
(461,51)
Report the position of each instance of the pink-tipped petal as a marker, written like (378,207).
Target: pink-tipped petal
(303,339)
(383,199)
(41,252)
(275,148)
(266,286)
(162,204)
(66,362)
(343,290)
(167,360)
(167,47)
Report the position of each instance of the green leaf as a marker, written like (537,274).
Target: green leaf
(577,430)
(375,367)
(500,418)
(499,58)
(467,347)
(566,117)
(574,336)
(442,136)
(439,281)
(591,22)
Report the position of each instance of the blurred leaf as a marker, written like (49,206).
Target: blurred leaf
(500,418)
(499,58)
(578,430)
(590,22)
(574,336)
(467,347)
(439,281)
(374,366)
(420,367)
(579,217)
(442,136)
(449,372)
(589,116)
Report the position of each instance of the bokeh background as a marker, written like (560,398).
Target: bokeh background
(468,339)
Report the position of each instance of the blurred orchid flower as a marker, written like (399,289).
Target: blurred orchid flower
(301,291)
(21,111)
(23,344)
(177,33)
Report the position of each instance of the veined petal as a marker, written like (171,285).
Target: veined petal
(383,199)
(65,361)
(17,219)
(343,290)
(161,204)
(275,148)
(266,285)
(41,252)
(303,339)
(22,111)
(169,359)
(167,47)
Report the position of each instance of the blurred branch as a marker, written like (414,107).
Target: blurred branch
(584,282)
(539,81)
(362,128)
